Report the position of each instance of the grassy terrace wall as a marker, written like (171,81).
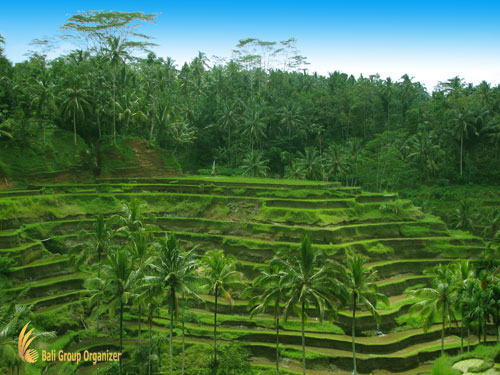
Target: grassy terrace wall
(252,219)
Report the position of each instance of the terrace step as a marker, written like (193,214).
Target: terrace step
(221,181)
(26,253)
(46,287)
(55,299)
(53,265)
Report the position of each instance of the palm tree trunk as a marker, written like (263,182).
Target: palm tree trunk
(461,153)
(442,336)
(461,336)
(171,343)
(98,123)
(140,320)
(468,339)
(215,325)
(303,340)
(229,148)
(150,319)
(74,125)
(121,334)
(183,356)
(484,332)
(114,104)
(98,309)
(354,371)
(277,319)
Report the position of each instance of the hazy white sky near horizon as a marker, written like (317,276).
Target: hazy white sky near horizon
(429,40)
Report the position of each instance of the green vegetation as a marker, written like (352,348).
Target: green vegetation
(105,242)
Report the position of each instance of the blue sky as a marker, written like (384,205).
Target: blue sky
(429,40)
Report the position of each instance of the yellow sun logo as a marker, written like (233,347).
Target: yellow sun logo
(26,354)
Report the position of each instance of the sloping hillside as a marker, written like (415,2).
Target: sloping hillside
(251,219)
(60,161)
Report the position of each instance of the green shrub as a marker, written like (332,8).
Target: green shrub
(233,360)
(442,366)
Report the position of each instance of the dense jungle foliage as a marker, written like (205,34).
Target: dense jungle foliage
(260,113)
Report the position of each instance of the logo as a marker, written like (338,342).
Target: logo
(26,354)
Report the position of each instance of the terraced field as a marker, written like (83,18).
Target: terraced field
(252,220)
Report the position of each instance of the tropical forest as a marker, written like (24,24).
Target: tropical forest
(242,215)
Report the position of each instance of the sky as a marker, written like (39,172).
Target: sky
(431,41)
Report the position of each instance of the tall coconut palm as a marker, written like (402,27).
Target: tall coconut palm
(174,271)
(100,241)
(42,98)
(220,278)
(227,117)
(463,273)
(290,118)
(74,104)
(310,161)
(140,252)
(116,52)
(437,299)
(254,126)
(119,280)
(254,164)
(271,291)
(310,280)
(463,126)
(360,284)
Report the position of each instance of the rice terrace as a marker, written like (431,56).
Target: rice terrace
(242,217)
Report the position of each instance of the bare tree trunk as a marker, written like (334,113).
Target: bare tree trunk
(461,153)
(150,318)
(303,341)
(114,105)
(277,315)
(171,343)
(74,126)
(468,339)
(442,336)
(121,335)
(461,336)
(354,371)
(140,320)
(215,325)
(183,356)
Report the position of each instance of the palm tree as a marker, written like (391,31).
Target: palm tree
(118,279)
(116,51)
(43,98)
(360,283)
(173,271)
(437,300)
(10,317)
(310,161)
(463,217)
(254,126)
(140,252)
(254,164)
(99,245)
(425,150)
(462,275)
(290,118)
(310,280)
(132,217)
(268,285)
(463,126)
(227,117)
(220,277)
(74,103)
